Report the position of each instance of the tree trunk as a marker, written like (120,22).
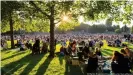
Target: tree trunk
(52,38)
(11,32)
(52,42)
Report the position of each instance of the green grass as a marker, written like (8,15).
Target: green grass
(27,64)
(23,63)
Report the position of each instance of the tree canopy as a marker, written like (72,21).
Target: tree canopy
(90,10)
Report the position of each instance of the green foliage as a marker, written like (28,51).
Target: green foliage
(8,11)
(81,27)
(91,29)
(109,22)
(17,25)
(132,29)
(8,8)
(91,10)
(97,29)
(60,9)
(125,28)
(4,26)
(98,9)
(67,25)
(118,31)
(29,23)
(122,11)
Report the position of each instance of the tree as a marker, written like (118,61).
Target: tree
(125,29)
(122,11)
(67,25)
(81,27)
(132,29)
(38,25)
(53,10)
(118,31)
(8,9)
(109,22)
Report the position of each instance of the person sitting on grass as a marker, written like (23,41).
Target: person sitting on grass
(82,43)
(69,49)
(126,57)
(74,49)
(68,52)
(109,43)
(36,47)
(131,39)
(92,63)
(124,45)
(62,51)
(28,45)
(44,48)
(86,51)
(97,44)
(18,43)
(98,52)
(22,45)
(91,44)
(118,42)
(124,53)
(4,44)
(129,54)
(101,44)
(119,64)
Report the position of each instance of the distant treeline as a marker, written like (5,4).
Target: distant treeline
(99,28)
(83,27)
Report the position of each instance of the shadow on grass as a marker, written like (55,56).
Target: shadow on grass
(8,49)
(33,61)
(11,50)
(108,52)
(5,51)
(42,68)
(14,66)
(73,70)
(13,56)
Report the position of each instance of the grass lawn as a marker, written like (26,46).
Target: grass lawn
(15,62)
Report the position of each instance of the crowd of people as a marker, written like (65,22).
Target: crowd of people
(84,46)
